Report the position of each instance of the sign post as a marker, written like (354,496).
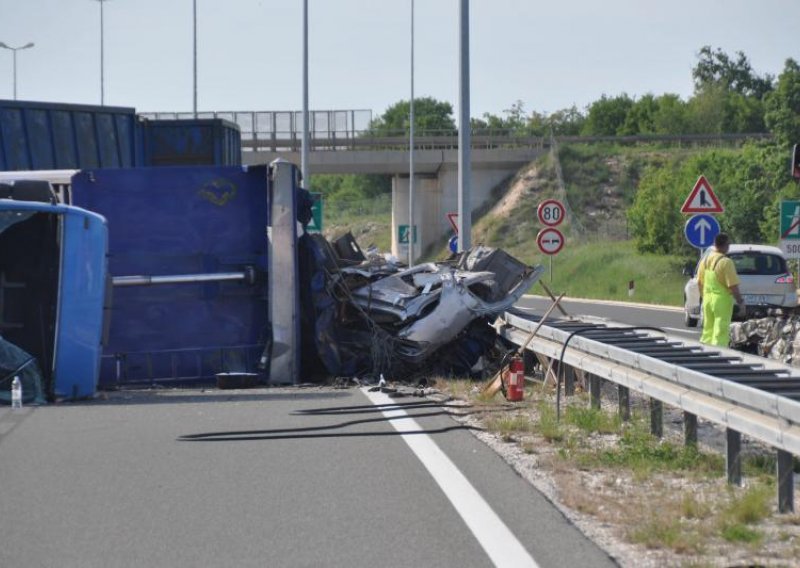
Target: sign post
(790,229)
(702,199)
(315,226)
(403,234)
(550,212)
(700,230)
(550,240)
(703,227)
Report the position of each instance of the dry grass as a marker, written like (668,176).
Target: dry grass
(663,498)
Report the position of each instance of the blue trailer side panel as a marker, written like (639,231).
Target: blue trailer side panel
(80,312)
(198,142)
(180,221)
(49,136)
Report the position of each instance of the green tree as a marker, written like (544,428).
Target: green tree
(429,114)
(706,111)
(671,115)
(717,68)
(606,116)
(743,114)
(782,115)
(749,183)
(641,117)
(566,122)
(351,187)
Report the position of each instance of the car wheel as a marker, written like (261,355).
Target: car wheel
(688,320)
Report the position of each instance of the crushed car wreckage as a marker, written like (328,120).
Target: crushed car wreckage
(374,315)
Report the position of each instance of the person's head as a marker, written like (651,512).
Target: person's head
(722,242)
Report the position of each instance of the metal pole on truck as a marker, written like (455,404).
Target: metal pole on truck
(194,58)
(14,50)
(304,154)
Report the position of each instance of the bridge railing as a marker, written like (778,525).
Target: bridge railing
(281,131)
(481,139)
(391,140)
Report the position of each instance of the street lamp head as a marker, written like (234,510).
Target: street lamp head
(26,46)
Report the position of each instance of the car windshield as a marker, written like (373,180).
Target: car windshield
(756,263)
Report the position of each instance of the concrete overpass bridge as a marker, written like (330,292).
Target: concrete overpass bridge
(341,143)
(435,175)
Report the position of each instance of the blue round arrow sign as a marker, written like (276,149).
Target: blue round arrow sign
(453,244)
(700,230)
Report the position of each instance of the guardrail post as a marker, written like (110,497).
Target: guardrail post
(624,402)
(690,429)
(594,389)
(785,482)
(656,418)
(529,360)
(569,380)
(733,456)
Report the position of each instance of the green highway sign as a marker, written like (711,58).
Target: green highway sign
(790,228)
(402,234)
(315,226)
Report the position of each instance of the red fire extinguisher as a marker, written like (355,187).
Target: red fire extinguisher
(516,379)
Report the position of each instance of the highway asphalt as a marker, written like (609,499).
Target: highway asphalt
(668,318)
(265,477)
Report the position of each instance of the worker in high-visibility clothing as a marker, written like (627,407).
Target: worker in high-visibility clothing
(719,286)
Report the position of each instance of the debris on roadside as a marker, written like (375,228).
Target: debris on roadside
(773,337)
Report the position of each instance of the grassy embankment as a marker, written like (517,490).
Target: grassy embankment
(599,259)
(603,270)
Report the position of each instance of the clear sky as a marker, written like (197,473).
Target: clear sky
(549,55)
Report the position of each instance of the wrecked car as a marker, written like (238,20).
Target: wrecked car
(381,316)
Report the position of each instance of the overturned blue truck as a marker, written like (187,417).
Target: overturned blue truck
(160,276)
(173,275)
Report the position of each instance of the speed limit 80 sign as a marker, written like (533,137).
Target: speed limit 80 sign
(550,212)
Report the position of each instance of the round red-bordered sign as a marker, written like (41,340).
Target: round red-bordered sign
(550,241)
(551,212)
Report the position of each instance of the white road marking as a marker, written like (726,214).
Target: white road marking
(682,331)
(492,534)
(656,307)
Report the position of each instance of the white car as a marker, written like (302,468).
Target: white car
(766,283)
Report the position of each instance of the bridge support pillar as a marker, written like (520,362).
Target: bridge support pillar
(436,195)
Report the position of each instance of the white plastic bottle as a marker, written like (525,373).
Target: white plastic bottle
(16,393)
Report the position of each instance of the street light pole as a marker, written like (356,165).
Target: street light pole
(102,54)
(194,74)
(464,138)
(14,50)
(411,152)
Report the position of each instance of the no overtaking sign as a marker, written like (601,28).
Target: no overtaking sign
(550,240)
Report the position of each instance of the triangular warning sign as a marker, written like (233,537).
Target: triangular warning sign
(702,199)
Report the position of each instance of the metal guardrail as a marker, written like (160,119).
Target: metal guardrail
(770,417)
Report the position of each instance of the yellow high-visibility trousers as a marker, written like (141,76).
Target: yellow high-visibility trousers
(717,314)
